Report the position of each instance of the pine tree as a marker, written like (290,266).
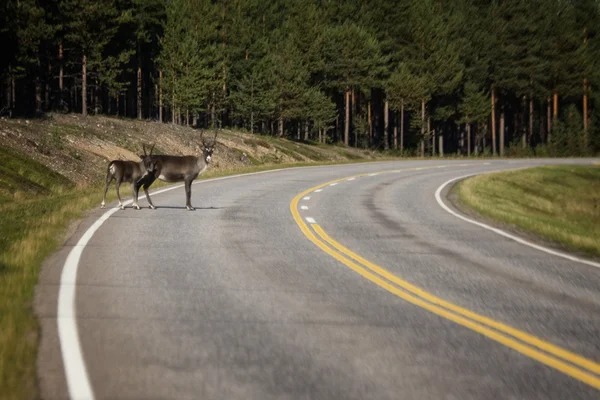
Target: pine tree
(352,60)
(89,28)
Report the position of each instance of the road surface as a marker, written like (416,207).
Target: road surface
(335,282)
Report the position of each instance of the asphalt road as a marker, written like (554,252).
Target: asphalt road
(248,297)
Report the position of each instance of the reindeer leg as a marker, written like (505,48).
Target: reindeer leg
(148,197)
(109,179)
(188,195)
(135,189)
(118,185)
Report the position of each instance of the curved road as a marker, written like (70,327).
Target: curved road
(298,284)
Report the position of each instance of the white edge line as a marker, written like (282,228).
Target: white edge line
(310,220)
(78,383)
(503,233)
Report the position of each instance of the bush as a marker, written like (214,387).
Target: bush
(515,149)
(567,135)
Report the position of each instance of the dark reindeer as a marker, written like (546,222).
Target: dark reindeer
(136,173)
(181,168)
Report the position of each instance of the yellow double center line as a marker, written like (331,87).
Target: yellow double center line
(572,364)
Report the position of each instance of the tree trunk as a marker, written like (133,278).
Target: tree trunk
(370,118)
(160,96)
(493,121)
(555,108)
(395,132)
(483,144)
(47,105)
(306,131)
(139,82)
(187,117)
(441,145)
(432,134)
(353,112)
(13,97)
(468,140)
(422,127)
(502,132)
(60,75)
(117,97)
(549,123)
(402,126)
(386,125)
(84,86)
(530,138)
(585,115)
(252,122)
(96,99)
(213,121)
(585,100)
(280,127)
(7,99)
(347,125)
(38,92)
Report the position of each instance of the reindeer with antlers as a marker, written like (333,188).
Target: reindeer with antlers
(180,168)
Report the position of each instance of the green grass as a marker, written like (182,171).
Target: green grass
(557,203)
(36,206)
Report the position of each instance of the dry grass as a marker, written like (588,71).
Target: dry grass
(38,227)
(558,203)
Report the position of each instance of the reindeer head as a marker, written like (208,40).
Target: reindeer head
(208,146)
(149,162)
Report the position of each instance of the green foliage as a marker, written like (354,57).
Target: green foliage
(404,87)
(474,107)
(352,57)
(567,135)
(255,64)
(186,73)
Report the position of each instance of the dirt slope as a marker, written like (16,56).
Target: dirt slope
(79,148)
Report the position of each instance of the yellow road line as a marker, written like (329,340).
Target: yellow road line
(434,304)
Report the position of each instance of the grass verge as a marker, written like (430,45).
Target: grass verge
(557,203)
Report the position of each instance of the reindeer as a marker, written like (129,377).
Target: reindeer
(181,168)
(136,173)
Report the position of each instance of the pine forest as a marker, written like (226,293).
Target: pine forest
(416,77)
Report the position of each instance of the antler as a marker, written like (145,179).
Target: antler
(144,148)
(151,148)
